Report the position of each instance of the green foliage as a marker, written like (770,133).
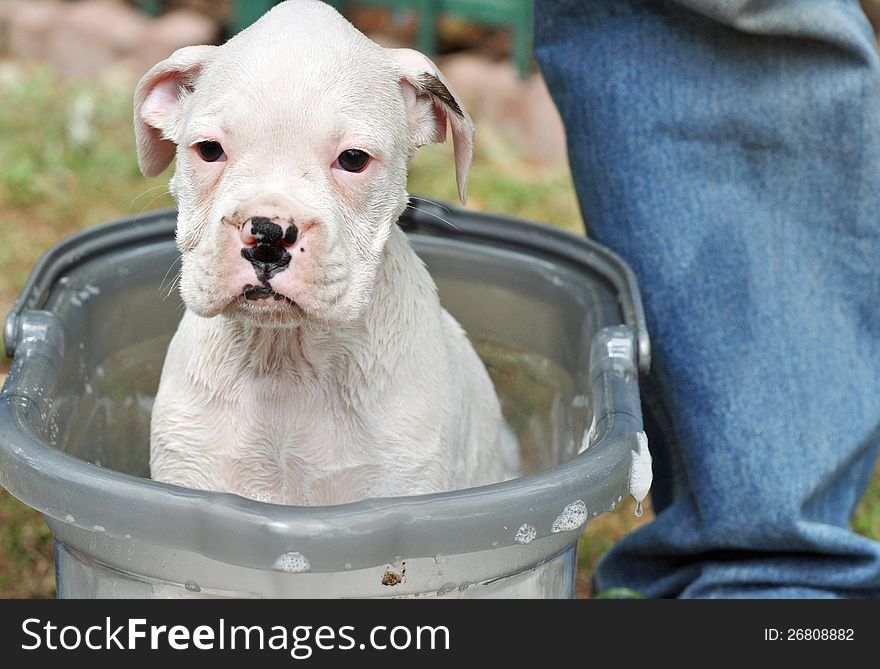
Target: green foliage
(866,519)
(67,161)
(26,567)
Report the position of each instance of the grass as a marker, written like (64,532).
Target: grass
(67,162)
(26,561)
(866,519)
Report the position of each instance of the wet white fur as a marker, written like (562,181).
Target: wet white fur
(366,387)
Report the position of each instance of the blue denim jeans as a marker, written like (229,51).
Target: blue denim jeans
(730,152)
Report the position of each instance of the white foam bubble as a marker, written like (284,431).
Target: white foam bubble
(99,528)
(445,589)
(640,474)
(69,518)
(620,347)
(259,495)
(292,563)
(589,435)
(525,534)
(580,402)
(572,517)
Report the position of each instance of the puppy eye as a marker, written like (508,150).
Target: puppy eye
(353,160)
(210,152)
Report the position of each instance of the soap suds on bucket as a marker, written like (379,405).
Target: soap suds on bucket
(292,563)
(572,517)
(525,534)
(640,475)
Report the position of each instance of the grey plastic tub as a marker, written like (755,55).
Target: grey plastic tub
(87,336)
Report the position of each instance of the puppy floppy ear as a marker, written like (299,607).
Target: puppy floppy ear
(430,103)
(157,100)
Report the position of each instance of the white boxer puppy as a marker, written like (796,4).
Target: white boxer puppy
(314,363)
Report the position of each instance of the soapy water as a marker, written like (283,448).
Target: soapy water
(109,421)
(538,400)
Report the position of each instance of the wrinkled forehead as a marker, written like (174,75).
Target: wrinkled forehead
(280,83)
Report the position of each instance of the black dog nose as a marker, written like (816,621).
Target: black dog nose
(266,245)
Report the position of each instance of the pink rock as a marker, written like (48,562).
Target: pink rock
(26,26)
(546,134)
(170,32)
(90,35)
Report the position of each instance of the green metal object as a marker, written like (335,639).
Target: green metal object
(151,7)
(515,15)
(426,37)
(245,12)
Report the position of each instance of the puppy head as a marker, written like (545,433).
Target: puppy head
(292,142)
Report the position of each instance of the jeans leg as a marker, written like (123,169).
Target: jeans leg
(730,152)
